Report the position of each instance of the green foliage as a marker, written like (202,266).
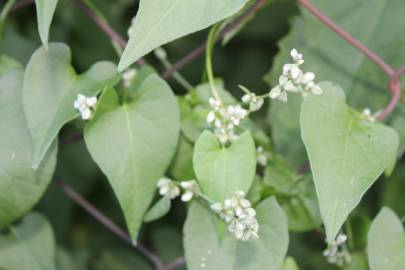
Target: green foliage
(331,58)
(158,210)
(48,104)
(45,12)
(386,242)
(133,144)
(296,195)
(21,186)
(348,158)
(28,245)
(160,21)
(223,170)
(203,245)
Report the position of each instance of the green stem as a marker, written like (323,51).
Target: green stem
(176,75)
(3,15)
(202,196)
(208,59)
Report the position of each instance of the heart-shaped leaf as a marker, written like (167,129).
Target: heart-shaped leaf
(133,144)
(45,11)
(346,153)
(161,21)
(20,186)
(205,249)
(28,245)
(158,210)
(223,170)
(331,57)
(386,242)
(50,88)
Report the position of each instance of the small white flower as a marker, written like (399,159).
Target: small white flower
(128,76)
(190,188)
(246,98)
(297,57)
(211,117)
(215,103)
(367,115)
(85,105)
(261,156)
(168,187)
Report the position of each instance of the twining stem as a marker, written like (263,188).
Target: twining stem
(176,75)
(200,49)
(349,38)
(212,36)
(108,223)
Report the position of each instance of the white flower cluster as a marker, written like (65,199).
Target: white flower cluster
(238,213)
(225,119)
(85,105)
(255,102)
(336,256)
(171,188)
(294,80)
(128,76)
(261,156)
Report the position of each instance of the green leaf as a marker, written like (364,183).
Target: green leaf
(331,58)
(7,64)
(386,242)
(204,247)
(223,170)
(346,154)
(133,144)
(21,186)
(290,264)
(28,245)
(50,88)
(358,262)
(45,11)
(158,210)
(181,167)
(161,21)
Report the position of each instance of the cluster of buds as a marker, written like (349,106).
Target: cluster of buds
(337,252)
(293,79)
(85,105)
(369,116)
(238,213)
(172,189)
(225,119)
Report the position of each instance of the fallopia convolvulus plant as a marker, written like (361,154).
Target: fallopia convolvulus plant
(254,193)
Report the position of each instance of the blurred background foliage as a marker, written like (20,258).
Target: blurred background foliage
(85,244)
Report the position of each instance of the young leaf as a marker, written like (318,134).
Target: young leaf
(50,88)
(223,170)
(133,144)
(21,186)
(45,11)
(28,245)
(386,242)
(158,210)
(161,21)
(346,154)
(204,248)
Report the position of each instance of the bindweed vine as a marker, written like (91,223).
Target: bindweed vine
(222,171)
